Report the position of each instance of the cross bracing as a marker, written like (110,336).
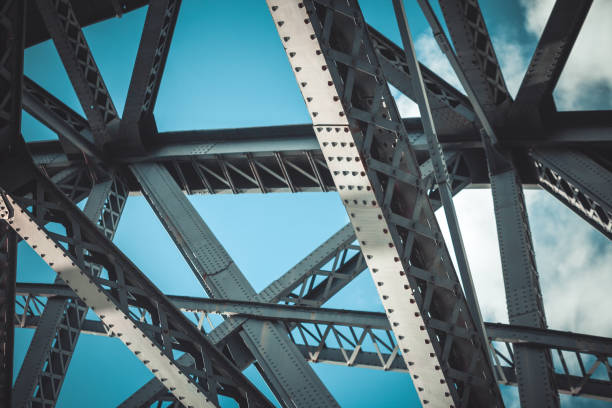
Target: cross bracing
(391,174)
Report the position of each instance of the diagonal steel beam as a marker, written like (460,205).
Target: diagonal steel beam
(556,42)
(367,150)
(82,70)
(291,378)
(125,300)
(12,26)
(476,55)
(58,117)
(138,124)
(579,182)
(50,352)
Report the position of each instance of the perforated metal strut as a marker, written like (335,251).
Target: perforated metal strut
(366,148)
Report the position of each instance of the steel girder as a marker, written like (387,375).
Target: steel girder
(476,55)
(61,21)
(293,381)
(549,58)
(365,339)
(138,123)
(69,125)
(374,168)
(46,363)
(248,166)
(579,182)
(12,34)
(125,300)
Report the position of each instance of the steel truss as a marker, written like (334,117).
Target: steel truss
(391,174)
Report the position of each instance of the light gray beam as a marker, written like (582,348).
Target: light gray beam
(367,150)
(292,379)
(41,376)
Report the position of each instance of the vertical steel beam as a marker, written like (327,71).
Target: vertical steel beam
(533,364)
(47,360)
(291,378)
(137,121)
(374,168)
(82,70)
(12,35)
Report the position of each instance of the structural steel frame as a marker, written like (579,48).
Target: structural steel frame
(391,174)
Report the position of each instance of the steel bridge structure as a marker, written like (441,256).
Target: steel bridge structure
(390,173)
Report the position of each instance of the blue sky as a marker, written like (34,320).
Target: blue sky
(227,68)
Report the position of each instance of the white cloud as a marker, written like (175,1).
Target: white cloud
(586,81)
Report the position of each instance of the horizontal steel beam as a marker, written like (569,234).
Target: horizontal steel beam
(300,317)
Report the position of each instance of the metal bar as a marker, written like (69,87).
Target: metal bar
(125,300)
(50,352)
(59,118)
(290,376)
(138,122)
(60,20)
(476,55)
(579,182)
(534,367)
(548,60)
(440,173)
(366,147)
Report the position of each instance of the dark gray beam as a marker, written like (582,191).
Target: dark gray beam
(553,49)
(60,118)
(87,12)
(62,23)
(12,25)
(292,380)
(578,181)
(476,56)
(138,123)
